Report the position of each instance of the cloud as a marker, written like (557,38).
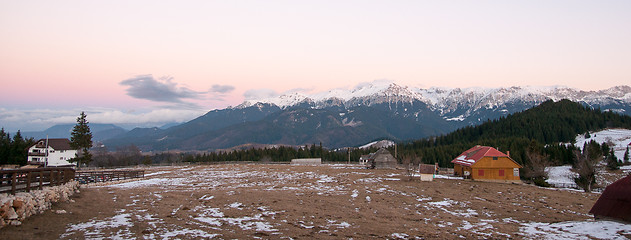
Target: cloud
(223,89)
(255,94)
(218,92)
(40,119)
(162,90)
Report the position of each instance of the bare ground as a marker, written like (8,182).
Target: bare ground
(301,202)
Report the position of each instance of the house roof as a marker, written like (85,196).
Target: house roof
(615,201)
(473,155)
(427,168)
(56,143)
(375,154)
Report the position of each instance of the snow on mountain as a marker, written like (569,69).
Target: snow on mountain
(459,101)
(378,144)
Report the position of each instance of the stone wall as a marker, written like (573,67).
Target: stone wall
(15,208)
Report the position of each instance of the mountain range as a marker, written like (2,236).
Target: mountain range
(369,112)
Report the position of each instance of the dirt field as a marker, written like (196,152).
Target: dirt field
(304,202)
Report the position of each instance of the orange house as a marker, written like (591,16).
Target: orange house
(486,163)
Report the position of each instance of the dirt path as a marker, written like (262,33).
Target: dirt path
(302,202)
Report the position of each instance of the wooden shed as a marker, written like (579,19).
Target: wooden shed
(427,171)
(486,163)
(615,202)
(381,159)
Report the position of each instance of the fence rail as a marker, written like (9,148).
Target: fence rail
(15,180)
(111,175)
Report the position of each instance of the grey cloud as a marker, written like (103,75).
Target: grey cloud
(163,90)
(221,88)
(255,94)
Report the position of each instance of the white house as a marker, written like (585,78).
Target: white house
(54,152)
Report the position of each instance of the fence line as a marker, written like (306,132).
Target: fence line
(15,180)
(105,176)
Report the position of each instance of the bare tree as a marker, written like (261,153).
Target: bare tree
(586,168)
(535,169)
(411,164)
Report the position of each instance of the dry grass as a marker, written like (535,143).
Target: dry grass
(323,202)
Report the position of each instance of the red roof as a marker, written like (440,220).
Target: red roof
(473,155)
(615,201)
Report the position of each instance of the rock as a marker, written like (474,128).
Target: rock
(11,214)
(61,211)
(15,222)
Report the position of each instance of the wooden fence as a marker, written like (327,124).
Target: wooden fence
(110,175)
(35,178)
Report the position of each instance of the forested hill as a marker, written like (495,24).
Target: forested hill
(550,122)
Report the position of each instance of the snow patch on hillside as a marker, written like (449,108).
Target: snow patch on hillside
(378,144)
(561,176)
(620,138)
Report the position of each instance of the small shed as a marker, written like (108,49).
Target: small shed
(615,202)
(427,171)
(381,159)
(487,164)
(306,161)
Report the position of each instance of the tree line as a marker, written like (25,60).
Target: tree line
(543,128)
(13,150)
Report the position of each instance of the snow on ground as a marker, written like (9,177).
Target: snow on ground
(561,176)
(576,230)
(205,215)
(621,138)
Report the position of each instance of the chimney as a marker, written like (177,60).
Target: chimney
(508,153)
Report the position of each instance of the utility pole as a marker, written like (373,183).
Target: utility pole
(349,155)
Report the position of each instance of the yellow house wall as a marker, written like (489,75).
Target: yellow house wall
(491,169)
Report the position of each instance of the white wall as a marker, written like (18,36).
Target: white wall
(55,157)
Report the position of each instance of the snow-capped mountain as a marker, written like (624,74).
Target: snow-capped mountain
(378,110)
(454,104)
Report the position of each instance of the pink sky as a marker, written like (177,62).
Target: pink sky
(73,55)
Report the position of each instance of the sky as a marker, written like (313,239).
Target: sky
(146,63)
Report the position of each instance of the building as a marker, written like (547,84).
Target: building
(486,163)
(615,202)
(427,171)
(54,152)
(306,161)
(381,159)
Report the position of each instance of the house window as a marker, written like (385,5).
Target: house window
(494,158)
(480,172)
(501,173)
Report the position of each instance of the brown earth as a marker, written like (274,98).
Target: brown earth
(301,202)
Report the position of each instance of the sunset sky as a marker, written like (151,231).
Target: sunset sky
(146,63)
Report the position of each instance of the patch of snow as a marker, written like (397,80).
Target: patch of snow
(620,138)
(576,230)
(400,235)
(206,197)
(561,176)
(156,173)
(150,182)
(355,193)
(458,118)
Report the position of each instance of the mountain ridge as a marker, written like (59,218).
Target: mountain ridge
(341,118)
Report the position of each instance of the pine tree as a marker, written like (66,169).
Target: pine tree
(81,140)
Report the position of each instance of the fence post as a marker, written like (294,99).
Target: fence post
(28,181)
(41,180)
(13,182)
(52,177)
